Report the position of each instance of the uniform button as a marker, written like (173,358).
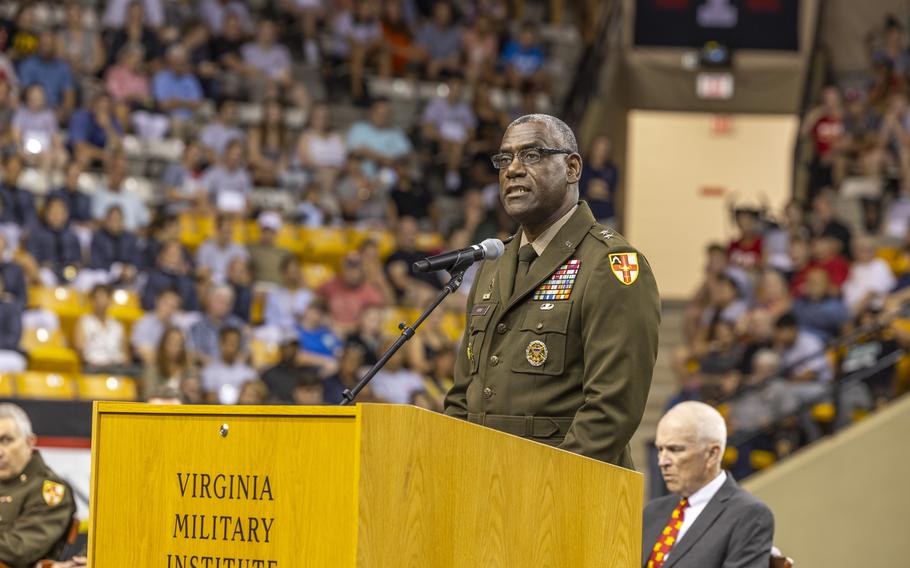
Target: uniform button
(540,325)
(487,392)
(502,328)
(494,360)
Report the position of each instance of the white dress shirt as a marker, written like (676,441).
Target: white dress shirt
(697,503)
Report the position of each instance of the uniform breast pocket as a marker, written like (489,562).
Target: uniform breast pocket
(542,347)
(477,331)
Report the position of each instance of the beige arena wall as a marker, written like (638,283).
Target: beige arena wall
(681,172)
(843,502)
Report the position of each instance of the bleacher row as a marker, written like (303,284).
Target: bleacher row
(66,386)
(53,364)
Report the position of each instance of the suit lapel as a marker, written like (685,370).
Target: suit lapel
(712,510)
(557,252)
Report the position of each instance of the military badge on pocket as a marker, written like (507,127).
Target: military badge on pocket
(536,353)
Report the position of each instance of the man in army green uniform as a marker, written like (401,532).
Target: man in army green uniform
(36,506)
(561,336)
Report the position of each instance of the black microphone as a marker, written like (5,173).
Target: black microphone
(461,259)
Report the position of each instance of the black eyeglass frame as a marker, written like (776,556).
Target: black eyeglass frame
(544,151)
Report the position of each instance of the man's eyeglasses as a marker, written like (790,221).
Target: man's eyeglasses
(526,156)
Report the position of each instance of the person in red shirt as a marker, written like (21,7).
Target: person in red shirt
(348,294)
(825,255)
(824,125)
(746,251)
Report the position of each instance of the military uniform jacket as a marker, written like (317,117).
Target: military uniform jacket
(565,359)
(36,511)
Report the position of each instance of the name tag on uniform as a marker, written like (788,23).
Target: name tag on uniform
(480,309)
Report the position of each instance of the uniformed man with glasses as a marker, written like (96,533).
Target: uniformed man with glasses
(561,334)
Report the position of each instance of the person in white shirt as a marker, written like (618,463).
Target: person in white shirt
(708,521)
(286,303)
(99,338)
(870,278)
(223,377)
(228,183)
(215,255)
(396,383)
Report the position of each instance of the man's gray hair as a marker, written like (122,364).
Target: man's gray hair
(709,425)
(19,417)
(565,136)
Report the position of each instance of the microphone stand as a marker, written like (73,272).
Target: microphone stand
(407,332)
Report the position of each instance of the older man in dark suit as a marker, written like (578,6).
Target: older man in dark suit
(709,521)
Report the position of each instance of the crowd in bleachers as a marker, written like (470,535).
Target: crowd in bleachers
(184,215)
(779,301)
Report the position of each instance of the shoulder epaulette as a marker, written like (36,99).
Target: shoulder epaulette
(606,235)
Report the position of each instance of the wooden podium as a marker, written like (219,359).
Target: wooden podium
(369,486)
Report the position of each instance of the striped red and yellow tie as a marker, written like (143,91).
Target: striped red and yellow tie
(667,537)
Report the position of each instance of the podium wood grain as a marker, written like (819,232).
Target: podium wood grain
(436,491)
(370,486)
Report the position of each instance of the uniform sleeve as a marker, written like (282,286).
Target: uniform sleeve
(752,538)
(619,341)
(35,532)
(456,401)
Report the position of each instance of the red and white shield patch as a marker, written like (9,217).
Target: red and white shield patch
(625,266)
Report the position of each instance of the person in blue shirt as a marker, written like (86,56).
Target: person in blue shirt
(79,204)
(136,214)
(523,59)
(113,248)
(53,245)
(94,130)
(52,73)
(380,143)
(819,311)
(319,346)
(176,90)
(18,203)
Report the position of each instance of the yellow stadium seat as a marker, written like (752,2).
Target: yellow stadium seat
(40,337)
(327,245)
(859,414)
(106,387)
(453,325)
(430,241)
(125,308)
(49,352)
(384,239)
(315,274)
(257,308)
(6,385)
(760,459)
(37,384)
(195,229)
(264,354)
(896,258)
(823,412)
(393,317)
(68,304)
(288,238)
(239,232)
